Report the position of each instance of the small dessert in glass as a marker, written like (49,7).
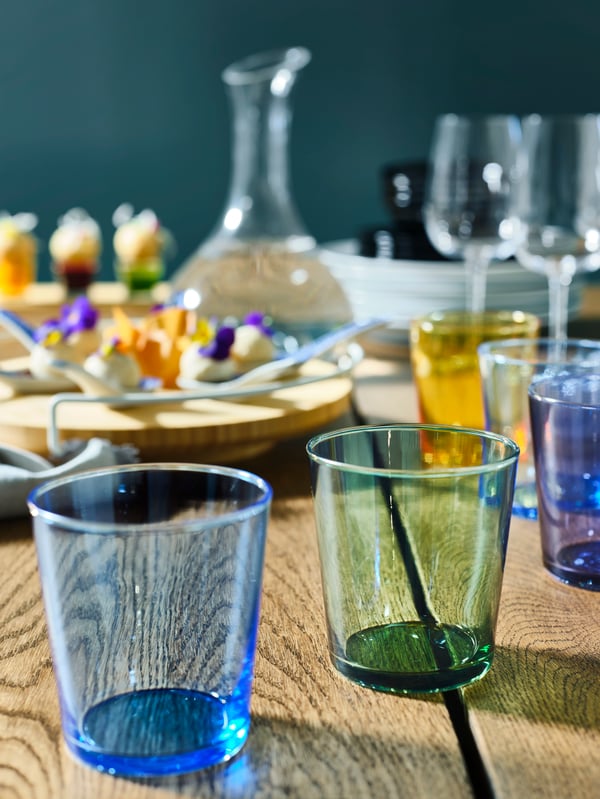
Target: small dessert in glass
(141,245)
(18,253)
(75,247)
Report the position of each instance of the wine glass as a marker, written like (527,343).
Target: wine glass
(559,204)
(470,195)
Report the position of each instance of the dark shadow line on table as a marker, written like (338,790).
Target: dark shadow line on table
(453,699)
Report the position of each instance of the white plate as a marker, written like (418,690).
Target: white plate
(344,256)
(401,290)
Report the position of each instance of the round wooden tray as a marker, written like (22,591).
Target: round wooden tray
(216,431)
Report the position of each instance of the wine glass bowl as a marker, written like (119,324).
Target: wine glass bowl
(559,204)
(470,196)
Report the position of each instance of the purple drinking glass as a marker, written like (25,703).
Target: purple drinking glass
(565,425)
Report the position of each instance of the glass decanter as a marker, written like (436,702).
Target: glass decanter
(260,257)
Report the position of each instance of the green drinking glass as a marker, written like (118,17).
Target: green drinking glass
(412,524)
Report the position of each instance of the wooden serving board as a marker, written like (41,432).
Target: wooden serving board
(216,431)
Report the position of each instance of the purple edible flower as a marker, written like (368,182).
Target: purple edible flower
(257,319)
(80,315)
(219,347)
(50,328)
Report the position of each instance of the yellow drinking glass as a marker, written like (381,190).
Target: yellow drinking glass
(443,351)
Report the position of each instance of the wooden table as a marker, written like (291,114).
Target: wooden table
(530,728)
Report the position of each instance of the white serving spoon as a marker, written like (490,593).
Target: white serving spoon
(17,327)
(22,381)
(269,371)
(96,386)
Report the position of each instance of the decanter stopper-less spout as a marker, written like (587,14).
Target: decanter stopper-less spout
(260,257)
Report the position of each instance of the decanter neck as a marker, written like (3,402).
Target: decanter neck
(260,143)
(260,203)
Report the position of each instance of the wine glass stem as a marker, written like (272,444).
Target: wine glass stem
(476,268)
(558,286)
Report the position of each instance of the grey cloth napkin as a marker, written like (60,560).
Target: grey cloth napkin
(22,471)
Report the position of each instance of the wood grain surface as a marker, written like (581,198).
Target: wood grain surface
(535,716)
(314,733)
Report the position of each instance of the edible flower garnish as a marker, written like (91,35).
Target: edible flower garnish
(204,332)
(74,318)
(49,333)
(258,319)
(218,349)
(113,345)
(80,315)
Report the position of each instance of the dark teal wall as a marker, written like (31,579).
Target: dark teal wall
(105,101)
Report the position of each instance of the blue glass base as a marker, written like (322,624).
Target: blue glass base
(159,732)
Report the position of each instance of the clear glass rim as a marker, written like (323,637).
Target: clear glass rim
(521,319)
(264,65)
(574,372)
(502,347)
(85,527)
(511,451)
(560,118)
(475,118)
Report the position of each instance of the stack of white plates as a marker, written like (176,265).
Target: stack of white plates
(402,290)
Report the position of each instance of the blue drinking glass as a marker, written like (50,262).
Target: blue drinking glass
(151,577)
